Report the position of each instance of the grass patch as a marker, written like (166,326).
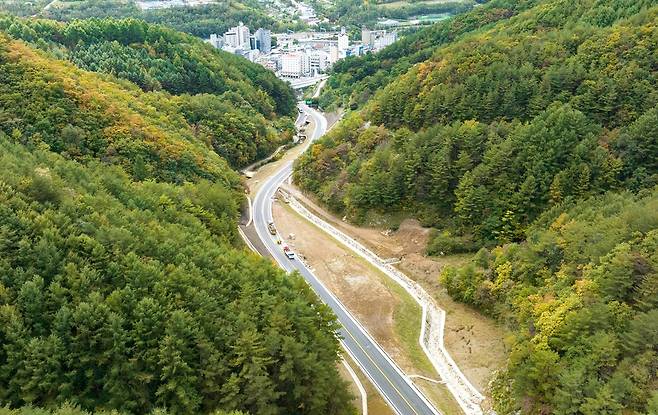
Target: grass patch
(407,319)
(440,395)
(376,403)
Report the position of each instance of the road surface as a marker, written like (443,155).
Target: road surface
(403,397)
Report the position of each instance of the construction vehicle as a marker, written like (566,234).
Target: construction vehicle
(271,228)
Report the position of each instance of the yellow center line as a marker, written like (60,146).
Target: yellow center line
(380,370)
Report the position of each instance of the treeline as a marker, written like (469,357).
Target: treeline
(582,297)
(69,409)
(66,10)
(123,283)
(218,18)
(237,108)
(199,20)
(500,126)
(355,14)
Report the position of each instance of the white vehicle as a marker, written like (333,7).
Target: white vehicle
(288,252)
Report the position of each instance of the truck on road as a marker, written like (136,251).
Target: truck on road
(271,228)
(288,252)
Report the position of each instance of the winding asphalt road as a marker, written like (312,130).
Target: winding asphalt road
(403,397)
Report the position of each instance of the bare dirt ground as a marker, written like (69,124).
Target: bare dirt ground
(474,341)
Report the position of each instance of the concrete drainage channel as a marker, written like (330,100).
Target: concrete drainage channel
(432,322)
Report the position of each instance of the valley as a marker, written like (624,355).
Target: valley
(328,207)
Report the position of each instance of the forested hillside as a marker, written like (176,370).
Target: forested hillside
(536,133)
(497,127)
(199,20)
(582,293)
(123,283)
(69,409)
(236,107)
(355,79)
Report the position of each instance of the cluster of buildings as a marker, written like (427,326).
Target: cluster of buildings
(375,40)
(241,41)
(310,54)
(299,55)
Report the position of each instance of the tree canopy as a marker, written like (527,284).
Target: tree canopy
(198,20)
(223,102)
(582,298)
(123,283)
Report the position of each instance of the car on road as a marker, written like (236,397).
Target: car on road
(288,252)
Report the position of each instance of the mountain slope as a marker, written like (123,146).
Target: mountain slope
(355,79)
(45,101)
(123,283)
(499,125)
(243,110)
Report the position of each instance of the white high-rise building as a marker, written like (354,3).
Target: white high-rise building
(365,36)
(385,39)
(216,41)
(319,61)
(295,65)
(377,39)
(343,40)
(231,39)
(238,36)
